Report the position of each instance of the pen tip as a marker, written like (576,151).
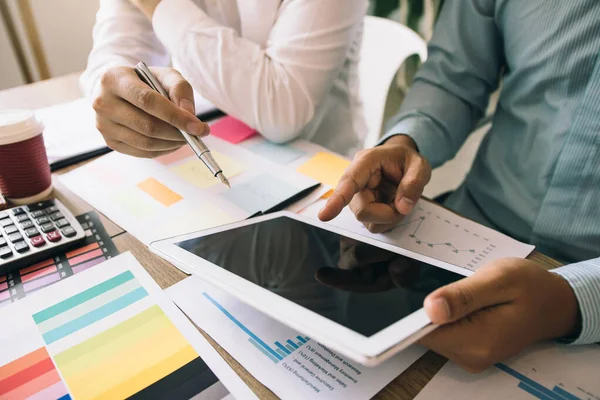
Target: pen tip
(223,179)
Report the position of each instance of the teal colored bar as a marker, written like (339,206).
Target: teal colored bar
(292,344)
(281,353)
(82,297)
(283,348)
(564,393)
(290,348)
(93,316)
(300,338)
(265,352)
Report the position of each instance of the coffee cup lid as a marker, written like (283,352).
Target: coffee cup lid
(17,126)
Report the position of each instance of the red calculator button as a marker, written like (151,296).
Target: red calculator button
(38,241)
(54,236)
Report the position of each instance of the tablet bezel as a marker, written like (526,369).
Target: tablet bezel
(366,350)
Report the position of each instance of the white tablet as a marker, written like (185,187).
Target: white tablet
(360,297)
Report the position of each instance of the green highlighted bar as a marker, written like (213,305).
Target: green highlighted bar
(82,297)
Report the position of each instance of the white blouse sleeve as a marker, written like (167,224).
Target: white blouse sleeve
(123,36)
(275,89)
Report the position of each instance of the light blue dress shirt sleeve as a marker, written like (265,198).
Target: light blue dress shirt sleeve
(584,278)
(451,91)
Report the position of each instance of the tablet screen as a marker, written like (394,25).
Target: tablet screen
(357,285)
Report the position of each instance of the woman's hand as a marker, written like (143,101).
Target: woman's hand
(136,120)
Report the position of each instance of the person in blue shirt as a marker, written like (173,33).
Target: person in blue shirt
(536,176)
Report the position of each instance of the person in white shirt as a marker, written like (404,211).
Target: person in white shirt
(287,68)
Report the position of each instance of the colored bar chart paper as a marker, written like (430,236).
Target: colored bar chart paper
(545,371)
(195,172)
(159,192)
(27,370)
(275,353)
(232,130)
(96,248)
(293,366)
(113,339)
(32,376)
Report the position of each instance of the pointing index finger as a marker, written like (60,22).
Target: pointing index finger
(353,181)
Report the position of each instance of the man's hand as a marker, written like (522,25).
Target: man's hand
(136,120)
(146,6)
(381,185)
(498,311)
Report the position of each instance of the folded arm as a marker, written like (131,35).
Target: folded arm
(277,88)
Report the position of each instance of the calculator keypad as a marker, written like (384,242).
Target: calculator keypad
(36,229)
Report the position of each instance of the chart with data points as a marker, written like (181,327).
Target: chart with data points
(436,232)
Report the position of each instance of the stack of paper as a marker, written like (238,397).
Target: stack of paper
(290,364)
(70,131)
(176,194)
(108,332)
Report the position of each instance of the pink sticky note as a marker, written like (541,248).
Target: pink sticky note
(232,130)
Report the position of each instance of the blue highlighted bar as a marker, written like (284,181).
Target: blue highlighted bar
(290,348)
(266,353)
(94,316)
(282,347)
(530,383)
(533,392)
(294,345)
(243,327)
(564,393)
(300,338)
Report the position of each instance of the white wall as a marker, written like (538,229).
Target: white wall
(65,29)
(10,74)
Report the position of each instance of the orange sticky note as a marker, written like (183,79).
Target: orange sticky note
(159,192)
(324,167)
(232,130)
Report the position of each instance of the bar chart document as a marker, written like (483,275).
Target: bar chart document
(544,372)
(433,231)
(107,333)
(289,363)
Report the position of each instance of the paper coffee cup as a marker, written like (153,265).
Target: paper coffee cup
(24,170)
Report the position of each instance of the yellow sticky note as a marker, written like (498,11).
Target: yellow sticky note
(326,168)
(196,173)
(159,192)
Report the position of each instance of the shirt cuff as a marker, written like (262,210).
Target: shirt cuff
(173,20)
(426,135)
(584,278)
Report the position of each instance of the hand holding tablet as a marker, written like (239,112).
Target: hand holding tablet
(362,298)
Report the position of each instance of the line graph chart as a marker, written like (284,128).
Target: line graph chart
(438,233)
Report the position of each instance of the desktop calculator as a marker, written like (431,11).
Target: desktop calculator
(31,233)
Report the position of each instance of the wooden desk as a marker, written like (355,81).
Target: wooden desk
(54,91)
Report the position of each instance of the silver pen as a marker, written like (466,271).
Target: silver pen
(203,153)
